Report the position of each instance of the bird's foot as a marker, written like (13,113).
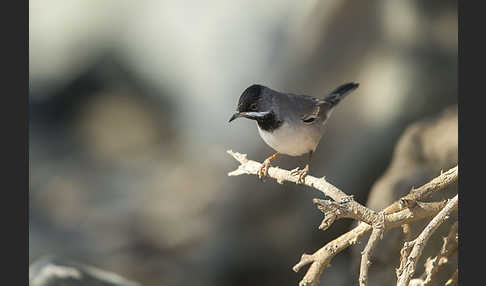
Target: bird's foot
(301,173)
(263,172)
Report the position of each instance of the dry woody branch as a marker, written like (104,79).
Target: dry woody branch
(401,213)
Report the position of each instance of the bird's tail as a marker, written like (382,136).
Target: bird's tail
(340,92)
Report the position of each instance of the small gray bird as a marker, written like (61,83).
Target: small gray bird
(290,124)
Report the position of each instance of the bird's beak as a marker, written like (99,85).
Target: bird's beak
(236,115)
(249,115)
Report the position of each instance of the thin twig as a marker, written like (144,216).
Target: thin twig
(322,257)
(376,235)
(437,184)
(407,232)
(453,281)
(404,253)
(421,240)
(432,265)
(449,247)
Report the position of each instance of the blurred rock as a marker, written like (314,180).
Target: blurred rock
(121,127)
(424,149)
(54,271)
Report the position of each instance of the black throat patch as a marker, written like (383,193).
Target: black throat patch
(269,123)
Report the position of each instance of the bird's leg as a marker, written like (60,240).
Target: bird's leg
(263,172)
(302,173)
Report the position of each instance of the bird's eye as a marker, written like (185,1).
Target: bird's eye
(253,106)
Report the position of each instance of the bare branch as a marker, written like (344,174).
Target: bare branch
(404,253)
(437,184)
(449,247)
(349,206)
(421,240)
(345,209)
(407,232)
(406,210)
(322,257)
(453,281)
(250,167)
(376,234)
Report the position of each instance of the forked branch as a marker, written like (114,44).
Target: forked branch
(402,212)
(420,242)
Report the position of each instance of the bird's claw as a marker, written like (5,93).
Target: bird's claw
(302,176)
(295,171)
(301,173)
(263,172)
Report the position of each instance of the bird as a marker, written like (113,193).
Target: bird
(290,124)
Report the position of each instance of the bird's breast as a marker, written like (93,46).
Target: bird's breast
(292,140)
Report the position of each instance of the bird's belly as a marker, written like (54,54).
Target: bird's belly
(291,141)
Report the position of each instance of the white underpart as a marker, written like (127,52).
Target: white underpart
(291,141)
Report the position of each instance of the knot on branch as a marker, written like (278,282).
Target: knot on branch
(406,203)
(332,211)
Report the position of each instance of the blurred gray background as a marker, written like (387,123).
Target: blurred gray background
(129,109)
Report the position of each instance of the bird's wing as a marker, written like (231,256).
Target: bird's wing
(305,108)
(319,112)
(323,106)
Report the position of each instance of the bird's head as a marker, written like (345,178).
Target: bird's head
(252,104)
